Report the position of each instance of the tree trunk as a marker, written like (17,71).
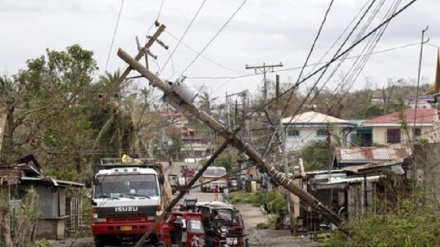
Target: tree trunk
(5,223)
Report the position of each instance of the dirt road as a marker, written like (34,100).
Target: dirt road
(268,238)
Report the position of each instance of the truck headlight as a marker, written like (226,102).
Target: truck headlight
(232,241)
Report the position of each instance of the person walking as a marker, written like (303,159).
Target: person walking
(216,191)
(225,195)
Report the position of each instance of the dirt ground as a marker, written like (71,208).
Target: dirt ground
(268,238)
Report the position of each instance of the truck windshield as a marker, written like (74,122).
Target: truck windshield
(115,186)
(215,172)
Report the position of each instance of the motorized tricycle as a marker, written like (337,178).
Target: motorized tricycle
(183,228)
(226,218)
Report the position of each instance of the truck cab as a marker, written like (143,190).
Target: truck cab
(126,200)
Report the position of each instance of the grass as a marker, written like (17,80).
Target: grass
(240,197)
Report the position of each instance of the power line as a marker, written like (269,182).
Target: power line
(205,57)
(160,10)
(302,69)
(183,35)
(335,58)
(309,65)
(114,34)
(213,38)
(325,69)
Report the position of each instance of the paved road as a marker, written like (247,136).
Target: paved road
(251,215)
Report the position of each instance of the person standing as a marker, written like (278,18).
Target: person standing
(216,191)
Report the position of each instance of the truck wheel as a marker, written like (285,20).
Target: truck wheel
(99,241)
(161,244)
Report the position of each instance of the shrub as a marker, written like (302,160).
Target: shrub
(409,225)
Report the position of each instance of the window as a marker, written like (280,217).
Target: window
(293,132)
(321,132)
(417,132)
(393,136)
(120,185)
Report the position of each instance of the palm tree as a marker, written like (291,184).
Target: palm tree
(117,121)
(128,124)
(206,102)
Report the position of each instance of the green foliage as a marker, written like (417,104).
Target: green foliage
(225,160)
(47,116)
(240,197)
(39,243)
(315,155)
(263,226)
(409,225)
(272,200)
(24,219)
(175,147)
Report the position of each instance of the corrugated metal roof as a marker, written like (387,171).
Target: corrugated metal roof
(312,117)
(371,154)
(374,167)
(55,182)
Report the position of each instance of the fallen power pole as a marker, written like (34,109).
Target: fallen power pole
(138,56)
(253,155)
(182,193)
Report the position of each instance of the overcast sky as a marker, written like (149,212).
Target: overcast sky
(269,31)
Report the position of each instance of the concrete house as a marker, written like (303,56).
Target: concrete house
(387,129)
(313,126)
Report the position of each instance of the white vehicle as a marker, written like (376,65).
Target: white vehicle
(213,177)
(126,200)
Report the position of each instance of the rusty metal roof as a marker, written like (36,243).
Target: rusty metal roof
(374,167)
(361,155)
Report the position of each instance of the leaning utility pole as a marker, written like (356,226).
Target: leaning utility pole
(221,129)
(138,56)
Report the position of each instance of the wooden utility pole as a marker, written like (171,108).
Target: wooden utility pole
(138,56)
(282,138)
(264,69)
(217,126)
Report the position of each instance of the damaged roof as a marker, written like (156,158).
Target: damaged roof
(362,155)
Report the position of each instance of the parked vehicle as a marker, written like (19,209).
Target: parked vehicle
(212,177)
(233,184)
(182,228)
(126,199)
(225,216)
(186,226)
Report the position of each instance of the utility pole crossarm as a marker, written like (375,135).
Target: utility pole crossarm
(215,125)
(139,55)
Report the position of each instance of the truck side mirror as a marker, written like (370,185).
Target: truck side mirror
(161,179)
(88,183)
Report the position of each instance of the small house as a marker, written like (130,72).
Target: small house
(54,207)
(307,127)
